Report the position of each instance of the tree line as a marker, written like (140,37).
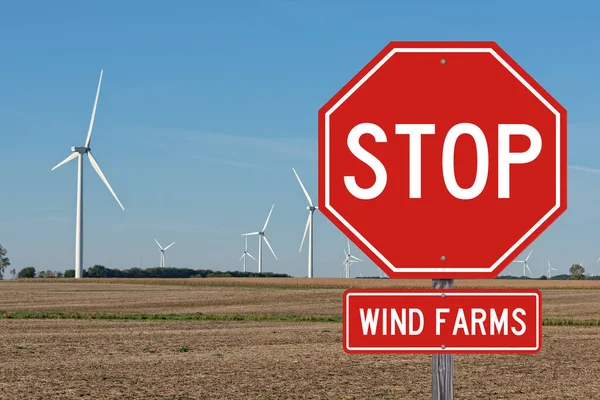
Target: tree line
(576,272)
(100,271)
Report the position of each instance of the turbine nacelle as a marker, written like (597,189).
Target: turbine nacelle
(80,150)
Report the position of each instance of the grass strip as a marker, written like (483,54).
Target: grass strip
(166,317)
(570,322)
(227,317)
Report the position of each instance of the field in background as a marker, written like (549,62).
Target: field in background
(196,359)
(338,283)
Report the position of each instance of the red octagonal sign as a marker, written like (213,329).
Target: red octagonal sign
(442,160)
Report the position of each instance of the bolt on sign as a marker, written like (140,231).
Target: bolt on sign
(442,160)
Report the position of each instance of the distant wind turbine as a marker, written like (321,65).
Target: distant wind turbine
(309,227)
(349,260)
(261,236)
(162,253)
(525,265)
(246,253)
(550,269)
(78,152)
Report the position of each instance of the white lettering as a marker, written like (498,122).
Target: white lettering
(478,320)
(439,319)
(482,161)
(461,322)
(519,321)
(396,321)
(369,159)
(498,324)
(506,158)
(369,321)
(414,132)
(412,312)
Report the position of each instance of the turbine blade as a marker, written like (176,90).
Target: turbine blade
(305,230)
(346,254)
(303,188)
(268,217)
(270,248)
(356,258)
(89,135)
(99,171)
(158,244)
(71,157)
(527,258)
(250,234)
(348,245)
(169,245)
(250,255)
(243,254)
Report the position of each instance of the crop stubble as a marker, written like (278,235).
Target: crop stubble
(65,359)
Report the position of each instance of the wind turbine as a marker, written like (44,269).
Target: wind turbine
(162,253)
(261,236)
(246,253)
(349,260)
(78,152)
(309,227)
(550,269)
(525,265)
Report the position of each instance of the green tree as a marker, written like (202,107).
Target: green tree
(27,272)
(4,261)
(96,271)
(543,277)
(70,273)
(576,272)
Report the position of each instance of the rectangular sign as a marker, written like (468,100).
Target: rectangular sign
(442,321)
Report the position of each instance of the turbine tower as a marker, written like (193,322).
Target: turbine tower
(525,265)
(550,269)
(162,253)
(246,254)
(309,227)
(78,152)
(261,236)
(349,260)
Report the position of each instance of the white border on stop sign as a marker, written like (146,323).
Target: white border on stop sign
(443,50)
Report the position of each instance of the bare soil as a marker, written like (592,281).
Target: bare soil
(95,359)
(65,359)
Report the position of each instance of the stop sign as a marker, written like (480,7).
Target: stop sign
(442,160)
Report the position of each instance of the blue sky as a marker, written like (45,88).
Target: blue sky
(206,106)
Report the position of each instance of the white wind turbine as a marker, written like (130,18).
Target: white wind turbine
(309,227)
(246,253)
(78,152)
(261,236)
(349,260)
(525,265)
(162,253)
(550,269)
